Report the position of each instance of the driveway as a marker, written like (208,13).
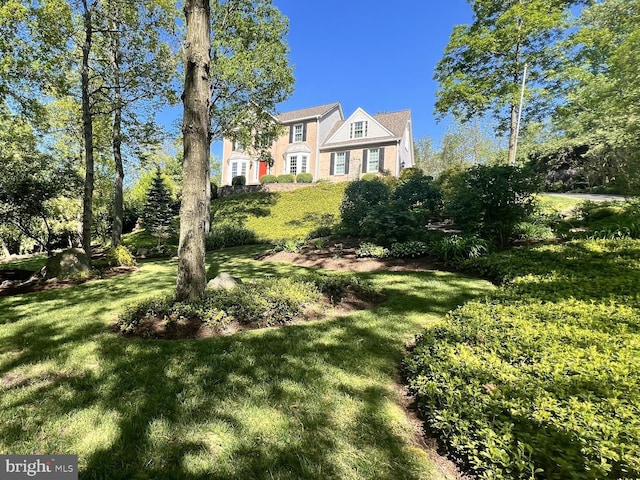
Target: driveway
(594,197)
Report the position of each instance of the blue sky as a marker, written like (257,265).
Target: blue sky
(378,55)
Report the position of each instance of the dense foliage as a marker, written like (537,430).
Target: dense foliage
(229,235)
(271,301)
(360,198)
(540,380)
(158,212)
(490,200)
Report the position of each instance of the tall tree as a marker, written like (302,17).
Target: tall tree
(34,60)
(88,8)
(602,110)
(483,64)
(196,139)
(136,69)
(249,75)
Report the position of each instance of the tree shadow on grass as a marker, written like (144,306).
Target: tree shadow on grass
(305,401)
(238,208)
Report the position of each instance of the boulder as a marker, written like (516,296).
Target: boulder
(68,264)
(223,281)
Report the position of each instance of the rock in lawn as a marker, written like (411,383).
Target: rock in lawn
(68,264)
(223,281)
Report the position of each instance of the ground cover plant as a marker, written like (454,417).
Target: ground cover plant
(542,379)
(281,215)
(311,401)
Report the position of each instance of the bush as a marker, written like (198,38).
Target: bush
(489,200)
(458,248)
(360,198)
(368,177)
(391,223)
(335,286)
(532,231)
(239,181)
(264,302)
(372,250)
(418,192)
(286,178)
(407,173)
(268,179)
(540,380)
(304,178)
(120,256)
(409,249)
(289,245)
(226,235)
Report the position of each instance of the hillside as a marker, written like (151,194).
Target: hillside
(279,215)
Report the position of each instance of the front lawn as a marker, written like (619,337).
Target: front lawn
(306,401)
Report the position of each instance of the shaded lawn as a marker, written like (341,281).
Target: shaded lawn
(306,401)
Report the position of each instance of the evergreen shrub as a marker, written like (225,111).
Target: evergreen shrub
(286,178)
(268,179)
(304,178)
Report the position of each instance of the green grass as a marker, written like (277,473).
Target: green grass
(557,203)
(312,401)
(275,216)
(139,239)
(35,262)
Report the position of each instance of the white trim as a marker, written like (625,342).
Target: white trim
(350,120)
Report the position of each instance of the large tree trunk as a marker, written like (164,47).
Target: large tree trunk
(87,122)
(116,139)
(194,209)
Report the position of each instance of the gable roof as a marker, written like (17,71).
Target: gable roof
(395,122)
(305,113)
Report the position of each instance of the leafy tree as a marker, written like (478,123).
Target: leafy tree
(234,93)
(33,186)
(34,60)
(157,212)
(602,109)
(135,69)
(482,67)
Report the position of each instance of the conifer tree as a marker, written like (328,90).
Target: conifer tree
(157,213)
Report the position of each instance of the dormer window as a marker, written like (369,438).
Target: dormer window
(359,129)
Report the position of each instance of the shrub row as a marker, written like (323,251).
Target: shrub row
(448,248)
(227,235)
(542,380)
(287,178)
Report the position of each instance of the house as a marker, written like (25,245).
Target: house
(320,141)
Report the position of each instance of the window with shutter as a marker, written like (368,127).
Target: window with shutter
(340,163)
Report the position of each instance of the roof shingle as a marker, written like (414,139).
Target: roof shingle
(320,110)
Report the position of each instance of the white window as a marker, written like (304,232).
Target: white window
(340,163)
(298,133)
(359,129)
(238,167)
(237,146)
(373,160)
(297,164)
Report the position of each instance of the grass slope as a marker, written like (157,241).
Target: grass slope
(311,401)
(275,216)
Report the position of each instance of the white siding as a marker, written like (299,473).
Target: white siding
(374,129)
(327,123)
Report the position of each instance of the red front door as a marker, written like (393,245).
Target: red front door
(262,170)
